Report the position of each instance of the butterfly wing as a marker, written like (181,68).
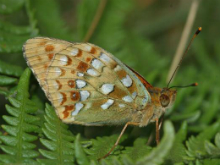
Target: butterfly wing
(85,84)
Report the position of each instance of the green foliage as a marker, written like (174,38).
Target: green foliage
(100,148)
(49,20)
(195,145)
(138,150)
(59,141)
(212,150)
(157,155)
(80,154)
(142,35)
(178,150)
(8,74)
(9,6)
(18,144)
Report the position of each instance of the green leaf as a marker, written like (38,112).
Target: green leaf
(212,106)
(138,150)
(189,116)
(14,29)
(85,18)
(157,155)
(12,43)
(102,145)
(196,145)
(59,140)
(110,25)
(217,140)
(5,80)
(49,19)
(18,145)
(211,162)
(81,157)
(9,6)
(178,150)
(10,70)
(112,160)
(211,149)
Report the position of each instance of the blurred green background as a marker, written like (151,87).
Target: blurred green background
(144,34)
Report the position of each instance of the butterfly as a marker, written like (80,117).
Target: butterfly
(89,86)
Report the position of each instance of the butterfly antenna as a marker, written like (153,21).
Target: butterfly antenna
(190,43)
(185,86)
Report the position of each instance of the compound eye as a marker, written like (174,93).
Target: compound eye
(164,100)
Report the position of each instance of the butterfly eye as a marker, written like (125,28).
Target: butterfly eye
(164,100)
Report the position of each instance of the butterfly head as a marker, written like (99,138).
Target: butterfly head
(167,97)
(162,97)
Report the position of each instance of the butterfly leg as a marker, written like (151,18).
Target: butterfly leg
(161,121)
(116,143)
(157,131)
(158,126)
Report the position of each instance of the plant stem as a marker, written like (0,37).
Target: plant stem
(184,38)
(95,21)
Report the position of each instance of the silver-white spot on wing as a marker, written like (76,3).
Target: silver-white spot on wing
(127,81)
(74,52)
(97,64)
(63,60)
(88,48)
(57,71)
(134,94)
(60,97)
(107,88)
(78,107)
(84,95)
(92,72)
(55,85)
(80,84)
(107,104)
(127,99)
(80,74)
(117,68)
(105,58)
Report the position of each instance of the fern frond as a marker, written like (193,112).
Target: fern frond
(81,157)
(13,36)
(10,70)
(58,141)
(18,144)
(102,145)
(5,80)
(157,155)
(8,74)
(12,43)
(32,18)
(138,150)
(211,108)
(196,145)
(213,150)
(178,150)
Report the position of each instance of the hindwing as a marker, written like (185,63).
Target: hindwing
(85,84)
